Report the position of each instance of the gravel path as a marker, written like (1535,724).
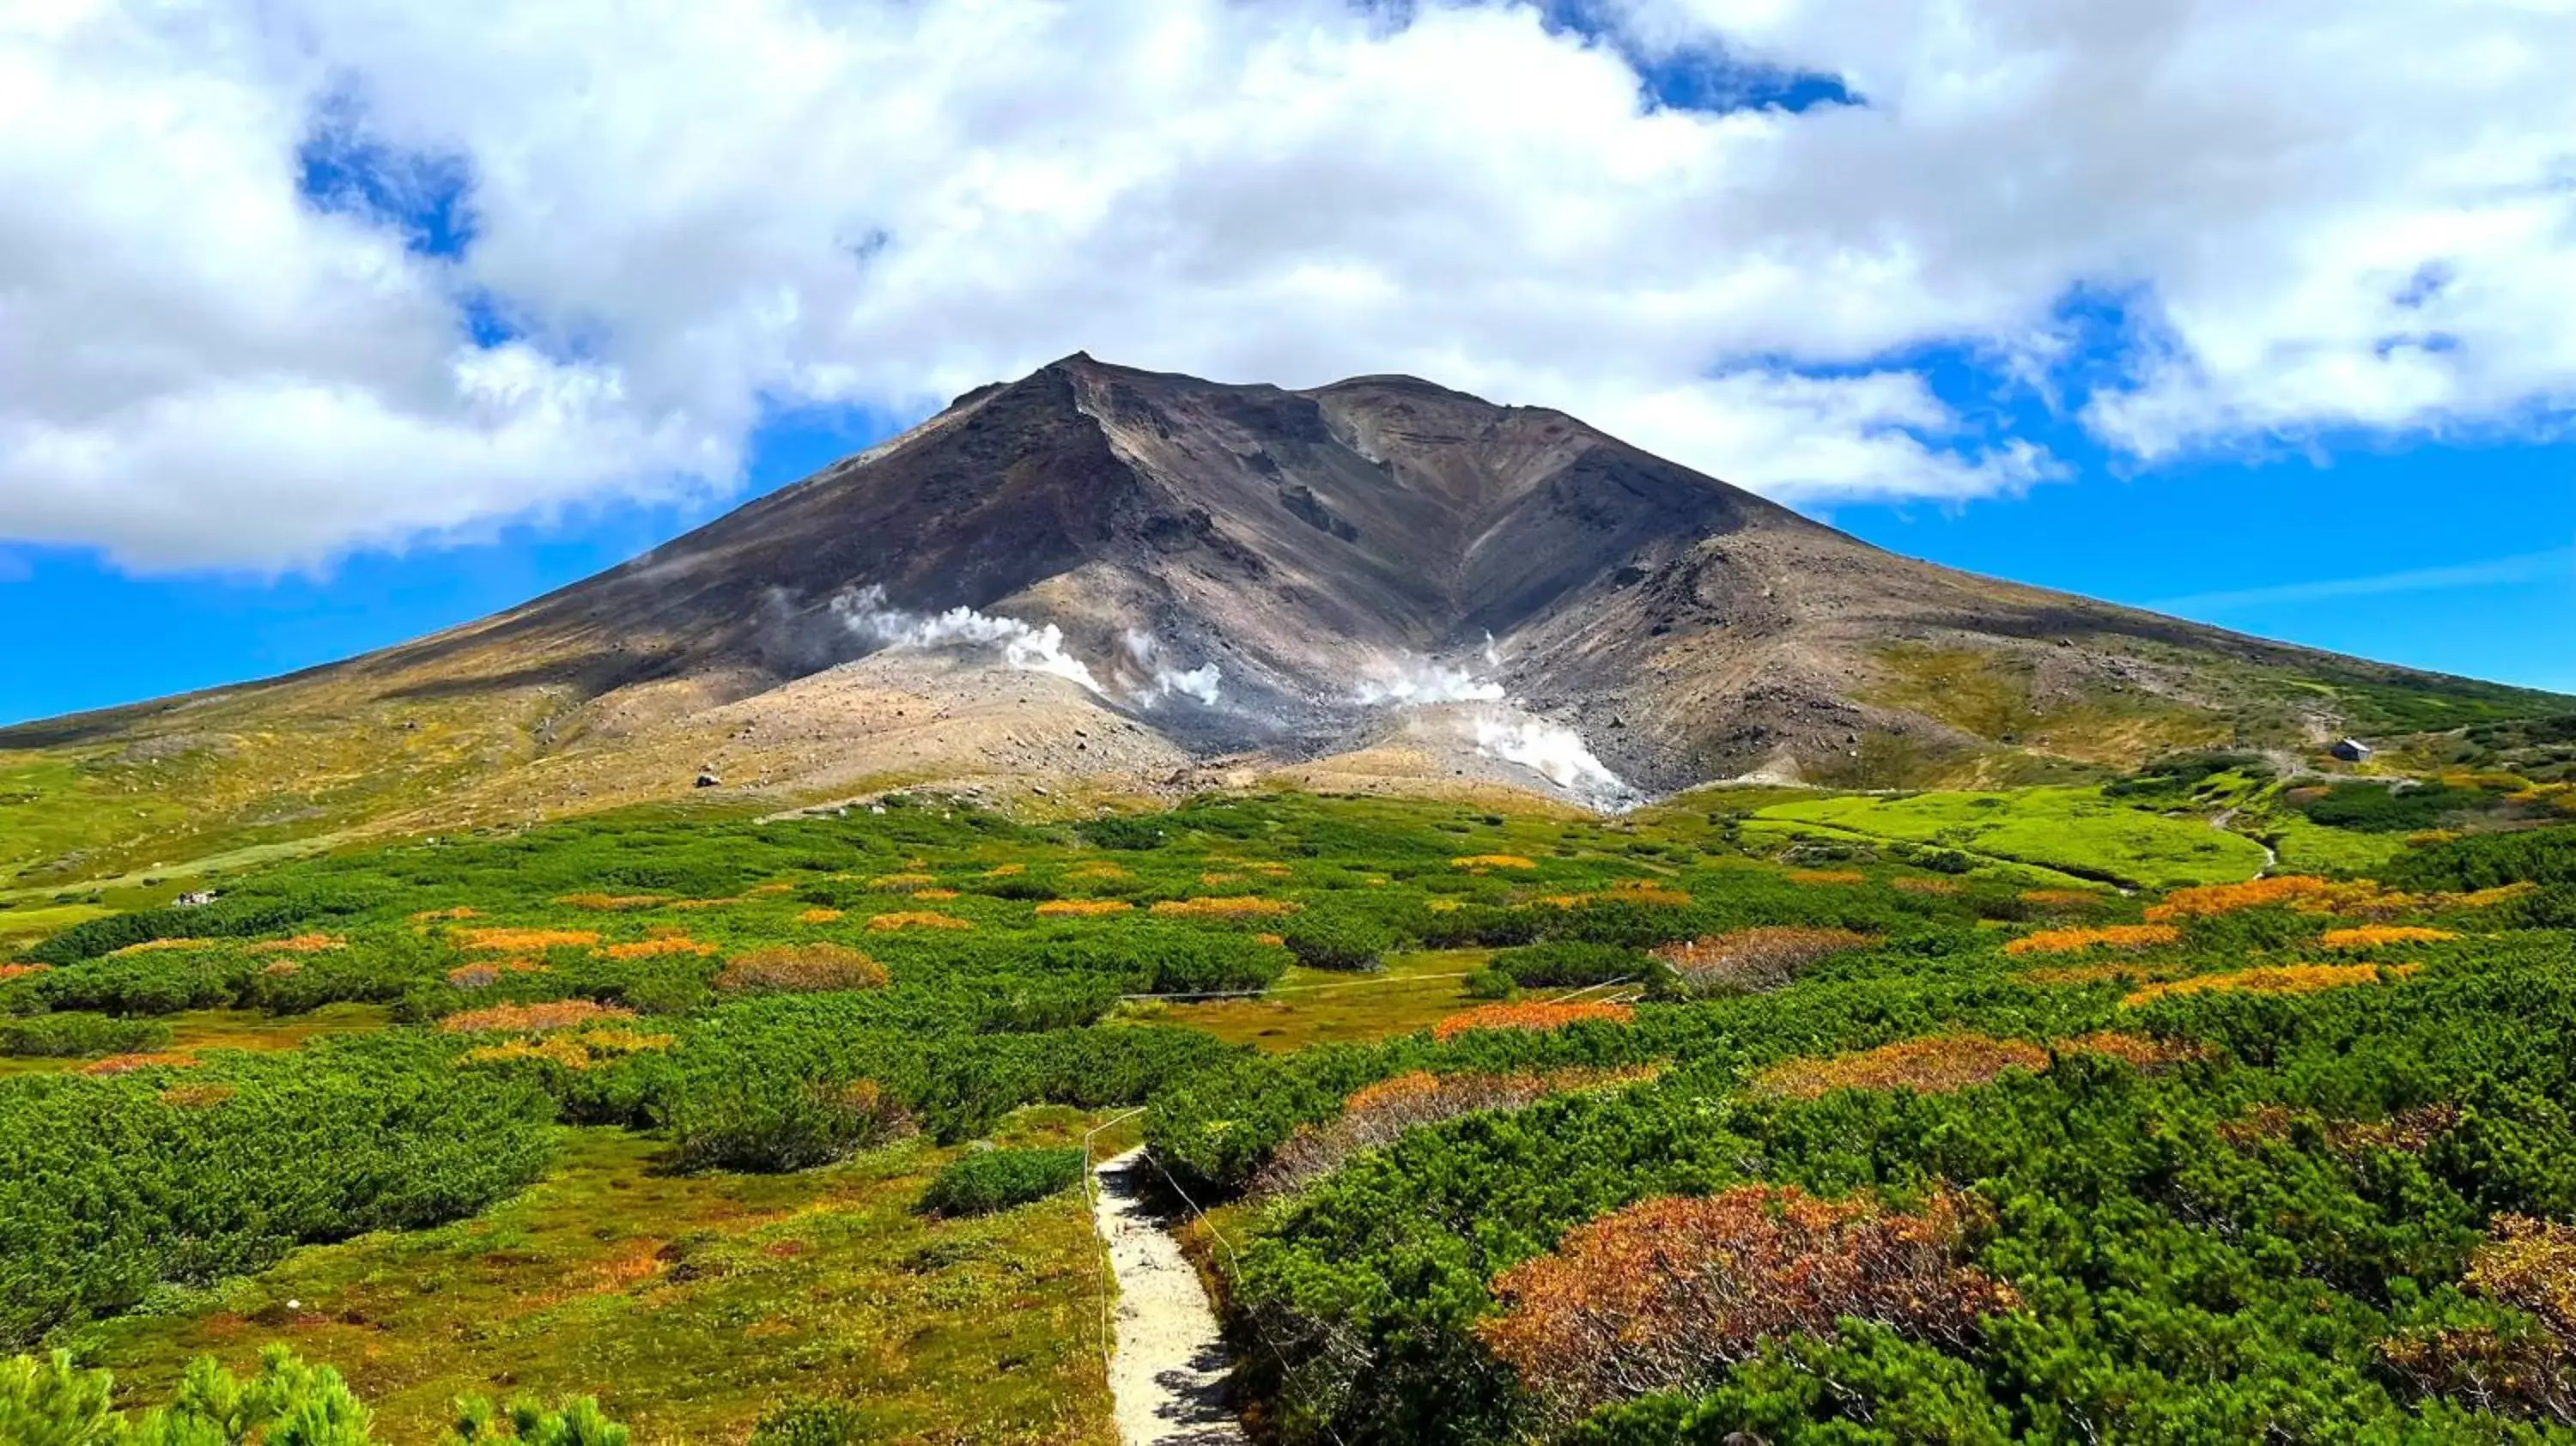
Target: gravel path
(1169,1373)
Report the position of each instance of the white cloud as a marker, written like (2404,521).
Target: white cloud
(2359,214)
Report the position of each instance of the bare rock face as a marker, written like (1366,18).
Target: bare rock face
(1099,572)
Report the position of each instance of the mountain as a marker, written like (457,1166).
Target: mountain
(1100,582)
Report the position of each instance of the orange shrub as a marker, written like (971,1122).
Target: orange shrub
(128,1063)
(1379,1113)
(934,893)
(2411,1130)
(2485,898)
(1082,908)
(196,1096)
(1233,906)
(891,922)
(302,944)
(2141,1053)
(1478,863)
(1827,876)
(478,976)
(281,968)
(801,969)
(1625,891)
(1763,958)
(2124,972)
(2211,900)
(764,891)
(1004,871)
(1273,940)
(2076,941)
(1911,885)
(895,883)
(1934,1064)
(818,916)
(610,903)
(533,1018)
(700,903)
(580,1050)
(2282,979)
(433,916)
(1669,1294)
(515,941)
(1103,870)
(657,948)
(2372,936)
(2061,898)
(1270,871)
(1212,880)
(21,971)
(1531,1014)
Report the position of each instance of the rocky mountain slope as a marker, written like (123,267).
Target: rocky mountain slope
(1117,581)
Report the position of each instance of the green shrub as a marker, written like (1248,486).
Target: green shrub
(980,1182)
(1567,965)
(108,1188)
(812,1423)
(1329,941)
(63,1036)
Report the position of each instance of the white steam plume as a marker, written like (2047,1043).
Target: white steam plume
(1163,680)
(1554,752)
(1034,650)
(1405,681)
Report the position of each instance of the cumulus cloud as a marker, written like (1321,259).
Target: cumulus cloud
(279,278)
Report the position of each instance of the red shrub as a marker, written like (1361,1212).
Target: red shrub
(1668,1294)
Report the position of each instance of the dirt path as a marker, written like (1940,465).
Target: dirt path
(1169,1373)
(2271,856)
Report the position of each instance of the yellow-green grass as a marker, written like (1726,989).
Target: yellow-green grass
(2313,848)
(2072,829)
(689,1304)
(1314,1006)
(2000,698)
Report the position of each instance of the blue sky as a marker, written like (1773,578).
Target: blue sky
(385,319)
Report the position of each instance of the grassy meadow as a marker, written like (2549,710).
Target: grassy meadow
(2055,1113)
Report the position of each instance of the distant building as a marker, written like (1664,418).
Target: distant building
(2351,750)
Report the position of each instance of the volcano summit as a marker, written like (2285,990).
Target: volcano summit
(1133,582)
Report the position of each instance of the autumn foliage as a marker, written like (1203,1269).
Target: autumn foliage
(1753,959)
(302,944)
(534,1018)
(657,948)
(1532,1014)
(21,971)
(1933,1064)
(1382,1112)
(1082,908)
(522,941)
(572,1049)
(801,969)
(1827,876)
(2113,936)
(2373,936)
(1234,906)
(1670,1293)
(128,1063)
(889,923)
(609,903)
(2279,979)
(1478,863)
(2529,1265)
(2210,900)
